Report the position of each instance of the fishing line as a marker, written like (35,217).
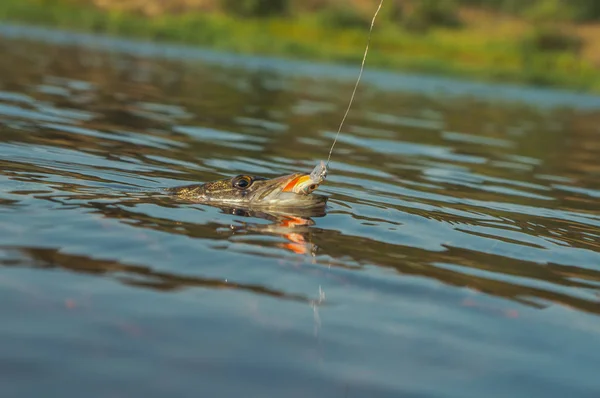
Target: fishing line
(362,66)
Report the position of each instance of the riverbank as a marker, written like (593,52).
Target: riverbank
(486,47)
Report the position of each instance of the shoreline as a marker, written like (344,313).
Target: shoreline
(460,53)
(382,79)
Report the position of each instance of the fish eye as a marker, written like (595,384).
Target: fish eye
(241,182)
(310,188)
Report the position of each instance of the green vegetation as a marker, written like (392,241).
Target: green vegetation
(573,10)
(255,8)
(537,41)
(427,14)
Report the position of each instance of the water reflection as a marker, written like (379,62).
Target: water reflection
(137,276)
(291,224)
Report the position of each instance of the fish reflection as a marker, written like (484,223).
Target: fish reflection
(292,224)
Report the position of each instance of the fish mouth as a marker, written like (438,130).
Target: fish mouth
(292,189)
(296,183)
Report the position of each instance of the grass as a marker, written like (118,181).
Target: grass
(483,50)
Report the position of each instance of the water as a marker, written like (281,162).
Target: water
(459,255)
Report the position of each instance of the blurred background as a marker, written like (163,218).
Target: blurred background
(540,42)
(459,254)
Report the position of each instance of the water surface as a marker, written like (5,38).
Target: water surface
(459,255)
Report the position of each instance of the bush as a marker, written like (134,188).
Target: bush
(343,17)
(426,14)
(586,10)
(255,8)
(552,39)
(309,5)
(580,10)
(549,11)
(393,11)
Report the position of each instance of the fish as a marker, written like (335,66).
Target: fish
(287,191)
